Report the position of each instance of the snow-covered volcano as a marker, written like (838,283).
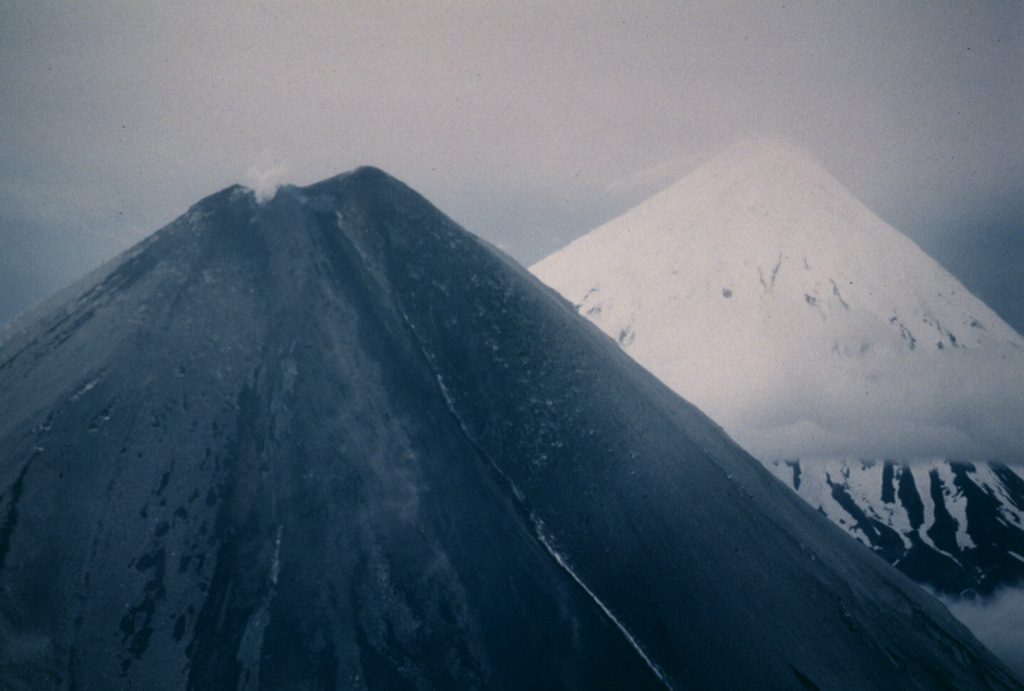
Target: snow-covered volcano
(334,441)
(864,375)
(764,292)
(825,342)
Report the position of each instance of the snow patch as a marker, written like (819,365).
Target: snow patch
(563,563)
(86,388)
(275,564)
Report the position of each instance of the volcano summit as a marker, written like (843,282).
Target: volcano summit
(334,441)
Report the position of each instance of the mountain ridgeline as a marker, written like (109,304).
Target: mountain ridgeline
(332,440)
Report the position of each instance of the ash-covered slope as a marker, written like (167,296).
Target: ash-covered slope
(334,441)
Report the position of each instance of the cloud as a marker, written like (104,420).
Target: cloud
(265,183)
(661,174)
(936,405)
(996,621)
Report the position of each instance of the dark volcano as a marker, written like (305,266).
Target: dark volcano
(334,441)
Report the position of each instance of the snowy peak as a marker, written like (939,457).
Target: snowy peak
(763,170)
(768,295)
(763,218)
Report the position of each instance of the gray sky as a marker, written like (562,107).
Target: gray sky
(527,123)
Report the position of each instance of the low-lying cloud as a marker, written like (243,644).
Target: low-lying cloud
(997,622)
(938,405)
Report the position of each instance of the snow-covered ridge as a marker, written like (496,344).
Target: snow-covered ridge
(765,293)
(952,526)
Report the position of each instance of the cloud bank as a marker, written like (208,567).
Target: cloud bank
(997,622)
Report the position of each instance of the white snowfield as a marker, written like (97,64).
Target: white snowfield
(861,481)
(765,293)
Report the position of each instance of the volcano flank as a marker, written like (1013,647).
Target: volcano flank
(332,440)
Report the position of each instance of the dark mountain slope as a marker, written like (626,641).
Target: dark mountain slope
(334,441)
